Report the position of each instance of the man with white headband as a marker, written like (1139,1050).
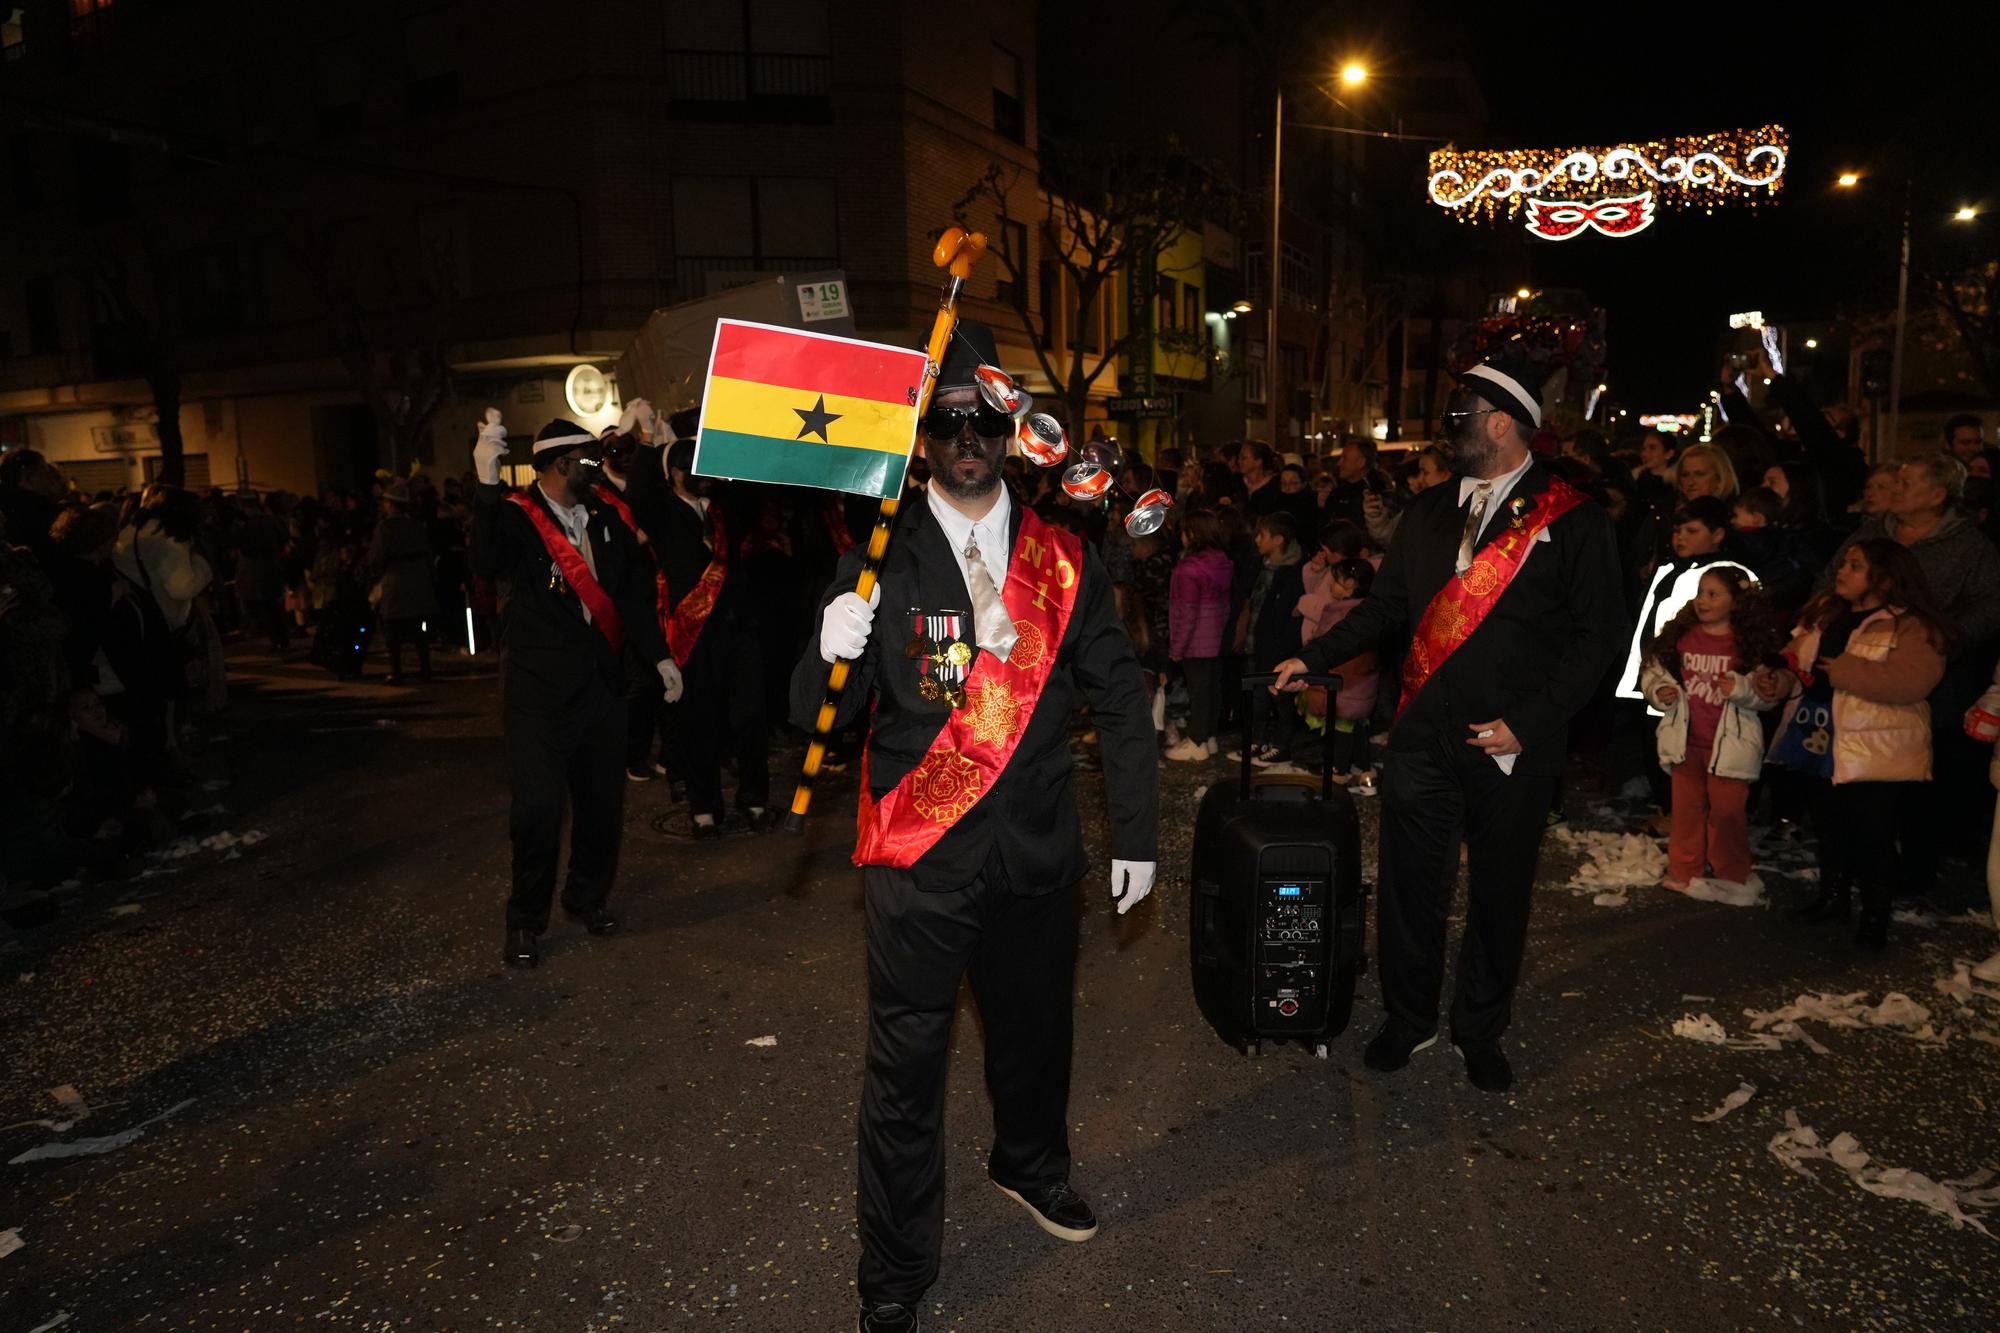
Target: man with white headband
(579,587)
(1508,586)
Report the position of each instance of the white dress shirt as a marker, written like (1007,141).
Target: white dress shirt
(575,523)
(996,546)
(1503,486)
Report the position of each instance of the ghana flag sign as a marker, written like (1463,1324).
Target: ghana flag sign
(808,409)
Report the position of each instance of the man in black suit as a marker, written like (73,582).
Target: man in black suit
(1483,734)
(995,891)
(579,586)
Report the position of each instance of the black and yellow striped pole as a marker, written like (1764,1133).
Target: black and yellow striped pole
(956,253)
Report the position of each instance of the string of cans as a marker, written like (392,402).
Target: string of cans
(1091,475)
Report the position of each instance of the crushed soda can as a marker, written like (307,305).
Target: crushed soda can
(1149,513)
(1086,481)
(997,387)
(1043,440)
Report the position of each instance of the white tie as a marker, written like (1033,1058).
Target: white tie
(991,625)
(1475,519)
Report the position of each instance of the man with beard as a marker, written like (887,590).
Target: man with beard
(970,845)
(1508,582)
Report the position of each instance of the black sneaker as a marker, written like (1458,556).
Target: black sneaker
(1391,1048)
(1057,1209)
(523,949)
(886,1317)
(1485,1066)
(597,921)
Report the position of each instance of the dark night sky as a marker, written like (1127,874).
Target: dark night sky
(1870,94)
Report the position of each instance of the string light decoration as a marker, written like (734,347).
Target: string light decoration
(1616,190)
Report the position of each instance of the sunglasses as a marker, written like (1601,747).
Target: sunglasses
(945,423)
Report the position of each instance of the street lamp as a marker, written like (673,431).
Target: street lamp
(1354,74)
(1811,343)
(1523,294)
(1965,214)
(1848,180)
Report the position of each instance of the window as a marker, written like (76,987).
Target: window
(337,85)
(1191,314)
(1253,371)
(430,65)
(1088,314)
(44,336)
(1297,285)
(749,59)
(726,227)
(211,290)
(1010,119)
(1167,302)
(103,179)
(444,237)
(194,470)
(24,175)
(1052,303)
(1013,245)
(90,21)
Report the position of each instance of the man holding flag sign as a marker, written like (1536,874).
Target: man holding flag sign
(970,844)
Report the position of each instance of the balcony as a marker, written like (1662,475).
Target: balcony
(750,86)
(704,275)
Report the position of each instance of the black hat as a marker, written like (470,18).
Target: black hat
(1510,381)
(971,347)
(556,438)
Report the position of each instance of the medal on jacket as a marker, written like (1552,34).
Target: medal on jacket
(943,658)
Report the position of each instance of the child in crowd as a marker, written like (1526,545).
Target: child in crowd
(1862,663)
(1335,588)
(1782,554)
(1272,615)
(1698,672)
(1982,724)
(1198,606)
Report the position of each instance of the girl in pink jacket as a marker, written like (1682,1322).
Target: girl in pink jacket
(1197,618)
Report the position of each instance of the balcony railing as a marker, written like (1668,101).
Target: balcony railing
(701,275)
(750,85)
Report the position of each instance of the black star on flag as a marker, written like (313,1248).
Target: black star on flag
(816,419)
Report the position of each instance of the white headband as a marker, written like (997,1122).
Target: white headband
(563,442)
(1502,380)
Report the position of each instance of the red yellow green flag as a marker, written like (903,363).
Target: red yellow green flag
(808,409)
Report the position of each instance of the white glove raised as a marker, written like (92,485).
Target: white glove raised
(844,625)
(670,677)
(1131,881)
(491,448)
(639,418)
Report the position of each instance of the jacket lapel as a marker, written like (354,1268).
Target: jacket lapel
(1533,482)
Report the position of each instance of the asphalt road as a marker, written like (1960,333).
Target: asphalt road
(351,1117)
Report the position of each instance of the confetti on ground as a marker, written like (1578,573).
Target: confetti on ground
(762,1041)
(1750,893)
(10,1241)
(91,1147)
(1704,1029)
(57,1322)
(1612,862)
(1797,1143)
(1897,1011)
(1744,1092)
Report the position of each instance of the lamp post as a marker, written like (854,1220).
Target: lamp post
(1902,315)
(1271,264)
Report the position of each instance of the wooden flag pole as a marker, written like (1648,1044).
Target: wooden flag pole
(956,253)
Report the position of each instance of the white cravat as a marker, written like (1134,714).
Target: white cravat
(1498,489)
(575,521)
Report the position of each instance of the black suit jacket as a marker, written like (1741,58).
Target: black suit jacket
(1029,818)
(556,658)
(1539,655)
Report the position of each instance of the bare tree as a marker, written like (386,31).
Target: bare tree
(130,341)
(1969,299)
(397,351)
(1102,210)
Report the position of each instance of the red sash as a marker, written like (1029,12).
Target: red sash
(1463,603)
(570,562)
(684,623)
(662,603)
(977,741)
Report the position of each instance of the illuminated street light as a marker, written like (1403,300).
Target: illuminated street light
(1848,180)
(1524,294)
(1354,74)
(1811,343)
(1241,308)
(1966,214)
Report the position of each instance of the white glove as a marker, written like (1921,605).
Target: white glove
(639,415)
(492,446)
(844,625)
(670,677)
(1771,352)
(1131,881)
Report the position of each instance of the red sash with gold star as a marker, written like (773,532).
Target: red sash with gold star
(684,624)
(977,741)
(575,571)
(662,603)
(1464,601)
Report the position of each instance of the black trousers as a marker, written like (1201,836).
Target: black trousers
(1431,799)
(1021,952)
(645,711)
(574,755)
(723,707)
(410,631)
(1856,823)
(1204,687)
